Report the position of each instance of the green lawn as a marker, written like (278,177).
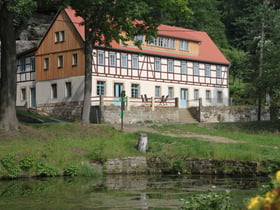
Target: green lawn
(53,149)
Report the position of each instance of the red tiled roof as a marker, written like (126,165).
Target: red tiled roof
(208,51)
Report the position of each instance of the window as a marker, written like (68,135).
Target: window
(207,95)
(170,92)
(196,94)
(157,92)
(195,69)
(219,97)
(207,71)
(46,63)
(170,66)
(138,38)
(100,89)
(32,64)
(22,64)
(183,67)
(184,45)
(100,57)
(23,94)
(68,89)
(53,91)
(166,42)
(60,61)
(112,59)
(160,42)
(134,90)
(59,36)
(219,72)
(157,64)
(172,43)
(74,59)
(124,60)
(135,62)
(152,41)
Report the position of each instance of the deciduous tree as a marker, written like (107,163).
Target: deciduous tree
(13,14)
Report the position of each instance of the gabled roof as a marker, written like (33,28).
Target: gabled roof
(208,51)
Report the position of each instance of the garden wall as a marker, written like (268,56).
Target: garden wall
(228,113)
(157,165)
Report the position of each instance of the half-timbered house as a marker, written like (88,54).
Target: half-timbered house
(177,68)
(26,86)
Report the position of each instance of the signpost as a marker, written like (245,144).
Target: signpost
(123,100)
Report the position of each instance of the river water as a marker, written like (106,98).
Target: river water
(119,192)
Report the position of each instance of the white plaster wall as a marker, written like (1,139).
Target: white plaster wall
(43,90)
(27,86)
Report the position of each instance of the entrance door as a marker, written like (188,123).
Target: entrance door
(118,88)
(32,97)
(184,98)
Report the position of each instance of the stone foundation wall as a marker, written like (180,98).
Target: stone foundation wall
(156,165)
(69,111)
(111,114)
(231,114)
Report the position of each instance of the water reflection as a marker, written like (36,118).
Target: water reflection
(118,192)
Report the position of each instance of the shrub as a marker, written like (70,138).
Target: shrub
(70,171)
(44,170)
(10,165)
(26,163)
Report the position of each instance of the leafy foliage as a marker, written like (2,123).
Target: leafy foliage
(207,201)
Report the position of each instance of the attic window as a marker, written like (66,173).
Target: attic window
(59,36)
(184,45)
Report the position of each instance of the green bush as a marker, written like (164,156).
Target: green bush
(26,163)
(70,171)
(10,165)
(44,170)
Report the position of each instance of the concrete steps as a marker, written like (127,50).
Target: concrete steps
(186,117)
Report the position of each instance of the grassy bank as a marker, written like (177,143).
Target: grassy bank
(56,149)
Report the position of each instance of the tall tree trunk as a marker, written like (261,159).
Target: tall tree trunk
(88,76)
(8,119)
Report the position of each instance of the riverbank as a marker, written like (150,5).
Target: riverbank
(74,150)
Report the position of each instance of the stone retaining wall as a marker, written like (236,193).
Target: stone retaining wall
(111,114)
(231,114)
(69,111)
(156,165)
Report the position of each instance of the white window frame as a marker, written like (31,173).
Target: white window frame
(157,91)
(184,69)
(196,69)
(124,60)
(46,63)
(219,72)
(170,66)
(101,58)
(112,59)
(207,70)
(184,45)
(135,90)
(68,89)
(100,88)
(53,91)
(135,62)
(157,64)
(170,92)
(60,61)
(74,59)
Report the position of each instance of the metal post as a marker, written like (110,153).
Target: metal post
(122,107)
